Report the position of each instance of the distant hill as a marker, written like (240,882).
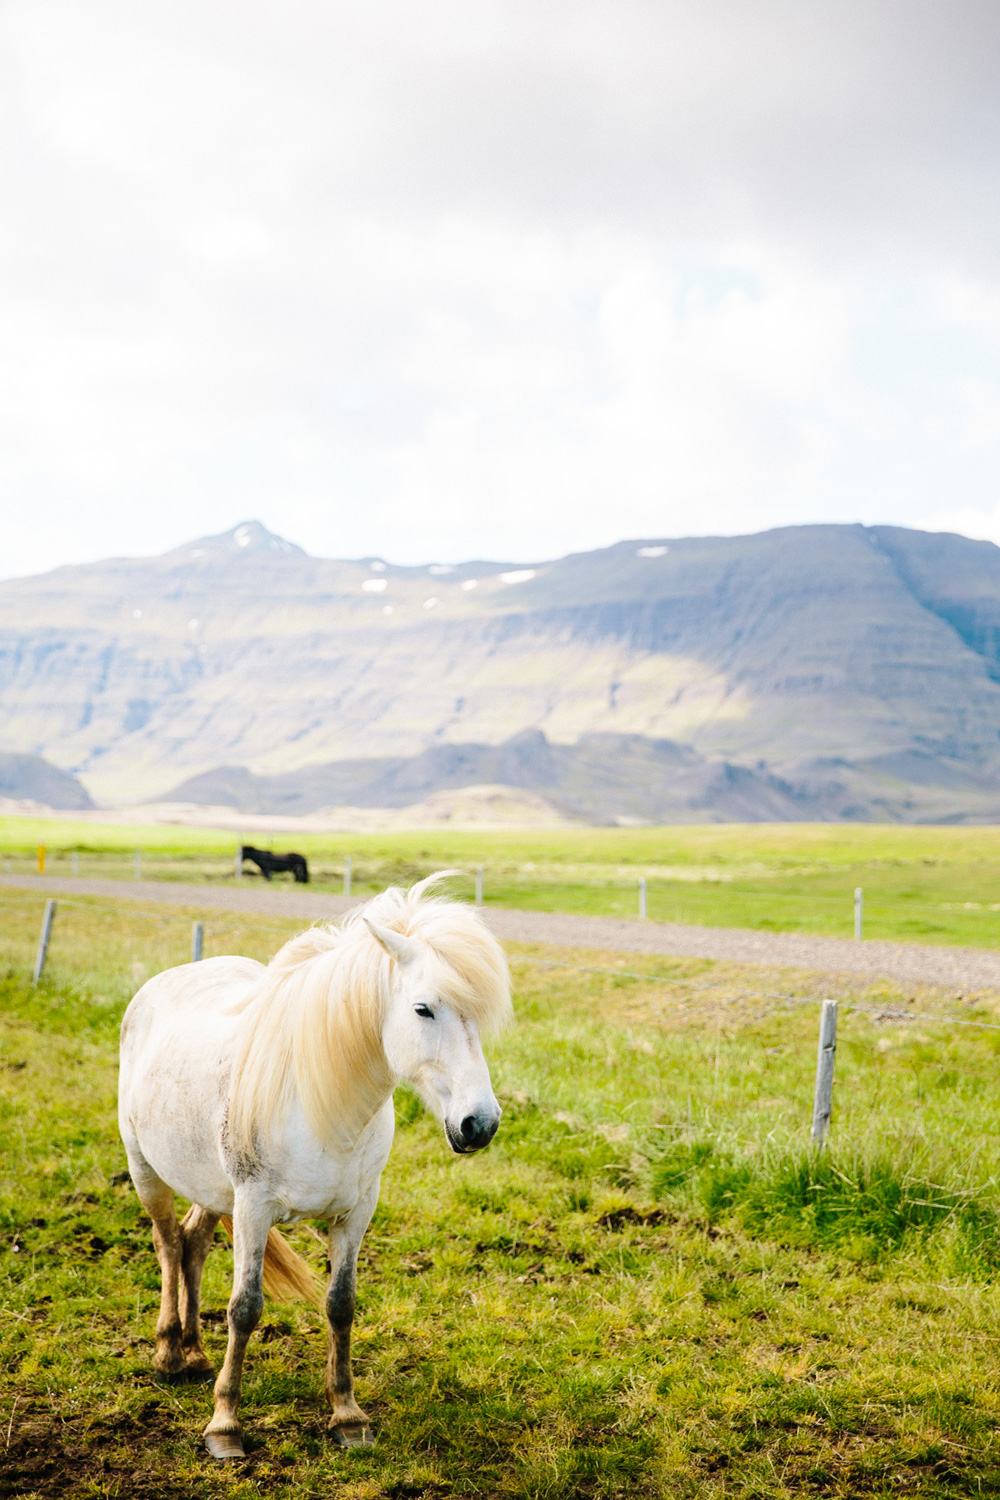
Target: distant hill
(31,778)
(816,671)
(603,777)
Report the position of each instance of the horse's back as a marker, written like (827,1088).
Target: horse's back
(176,1050)
(182,1002)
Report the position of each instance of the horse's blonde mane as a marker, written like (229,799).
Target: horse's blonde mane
(312,1025)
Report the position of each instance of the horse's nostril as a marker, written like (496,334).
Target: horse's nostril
(476,1131)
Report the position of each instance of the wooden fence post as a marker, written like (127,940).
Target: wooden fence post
(43,941)
(138,864)
(479,885)
(859,908)
(347,874)
(197,936)
(823,1097)
(238,862)
(41,859)
(642,898)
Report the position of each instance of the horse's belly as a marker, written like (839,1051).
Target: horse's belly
(196,1177)
(180,1137)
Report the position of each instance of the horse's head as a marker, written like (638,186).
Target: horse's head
(430,1044)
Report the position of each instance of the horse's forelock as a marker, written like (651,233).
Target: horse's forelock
(313,1025)
(469,966)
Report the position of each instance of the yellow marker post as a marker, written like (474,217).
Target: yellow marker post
(41,859)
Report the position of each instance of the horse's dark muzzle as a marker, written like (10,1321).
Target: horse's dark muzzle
(475,1132)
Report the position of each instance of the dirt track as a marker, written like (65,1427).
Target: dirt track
(956,969)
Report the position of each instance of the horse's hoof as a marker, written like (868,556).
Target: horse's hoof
(199,1374)
(224,1445)
(170,1377)
(352,1437)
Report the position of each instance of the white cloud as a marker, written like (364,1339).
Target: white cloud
(966,521)
(484,278)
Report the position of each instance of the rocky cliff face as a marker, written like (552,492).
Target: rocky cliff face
(805,659)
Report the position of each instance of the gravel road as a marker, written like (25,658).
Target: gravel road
(956,969)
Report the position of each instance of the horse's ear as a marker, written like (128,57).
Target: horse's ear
(401,948)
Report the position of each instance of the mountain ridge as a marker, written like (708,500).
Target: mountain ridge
(873,649)
(612,779)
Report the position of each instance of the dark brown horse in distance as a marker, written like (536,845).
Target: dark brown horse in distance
(273,864)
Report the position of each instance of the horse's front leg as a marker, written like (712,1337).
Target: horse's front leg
(251,1222)
(348,1423)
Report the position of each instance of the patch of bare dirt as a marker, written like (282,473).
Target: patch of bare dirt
(130,1455)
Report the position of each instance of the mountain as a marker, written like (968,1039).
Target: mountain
(604,778)
(815,671)
(31,778)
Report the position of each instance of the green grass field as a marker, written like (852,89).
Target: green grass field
(939,885)
(648,1286)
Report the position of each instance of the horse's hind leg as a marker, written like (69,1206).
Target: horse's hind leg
(168,1359)
(158,1201)
(197,1232)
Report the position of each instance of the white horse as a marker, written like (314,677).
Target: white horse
(265,1094)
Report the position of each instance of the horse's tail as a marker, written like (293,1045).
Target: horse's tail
(286,1275)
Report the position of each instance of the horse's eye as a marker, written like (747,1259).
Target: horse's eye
(425,1011)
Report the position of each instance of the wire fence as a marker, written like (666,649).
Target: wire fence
(829,1005)
(110,907)
(643,888)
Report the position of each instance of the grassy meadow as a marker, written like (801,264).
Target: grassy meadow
(921,884)
(648,1286)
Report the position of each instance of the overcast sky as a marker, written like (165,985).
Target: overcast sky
(462,279)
